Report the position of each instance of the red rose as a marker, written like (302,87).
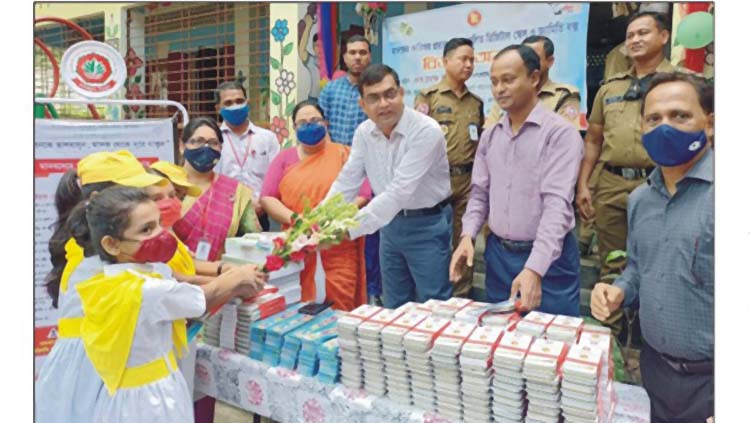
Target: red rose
(278,242)
(274,263)
(297,255)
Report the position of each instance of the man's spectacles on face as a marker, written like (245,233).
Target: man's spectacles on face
(389,95)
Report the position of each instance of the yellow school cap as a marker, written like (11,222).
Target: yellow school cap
(177,175)
(120,167)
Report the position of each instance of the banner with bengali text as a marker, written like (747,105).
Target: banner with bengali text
(413,43)
(58,145)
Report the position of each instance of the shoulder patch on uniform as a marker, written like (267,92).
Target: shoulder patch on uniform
(423,108)
(570,112)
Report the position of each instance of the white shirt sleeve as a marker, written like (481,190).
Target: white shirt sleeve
(353,173)
(271,147)
(424,149)
(167,300)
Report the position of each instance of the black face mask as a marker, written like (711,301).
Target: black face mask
(637,88)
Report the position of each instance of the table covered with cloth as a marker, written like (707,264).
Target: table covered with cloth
(288,397)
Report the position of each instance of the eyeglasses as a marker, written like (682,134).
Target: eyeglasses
(315,120)
(373,99)
(200,142)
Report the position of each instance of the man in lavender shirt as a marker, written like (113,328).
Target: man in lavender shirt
(523,182)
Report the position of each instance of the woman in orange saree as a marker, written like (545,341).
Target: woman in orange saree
(305,173)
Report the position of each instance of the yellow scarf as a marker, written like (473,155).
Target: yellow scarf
(182,262)
(74,257)
(111,305)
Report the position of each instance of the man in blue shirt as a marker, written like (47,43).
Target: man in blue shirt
(671,252)
(340,98)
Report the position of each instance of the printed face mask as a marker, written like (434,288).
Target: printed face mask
(669,146)
(202,159)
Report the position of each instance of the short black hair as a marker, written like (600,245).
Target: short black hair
(549,47)
(455,43)
(375,73)
(659,18)
(704,91)
(226,86)
(356,39)
(528,55)
(309,102)
(105,214)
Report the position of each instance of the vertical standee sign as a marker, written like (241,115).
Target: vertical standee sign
(58,145)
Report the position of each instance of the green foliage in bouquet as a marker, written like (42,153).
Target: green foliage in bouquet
(325,224)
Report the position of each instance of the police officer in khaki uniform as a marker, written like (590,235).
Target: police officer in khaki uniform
(562,98)
(460,114)
(613,140)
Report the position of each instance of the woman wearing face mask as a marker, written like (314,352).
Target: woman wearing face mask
(133,309)
(225,208)
(306,172)
(168,198)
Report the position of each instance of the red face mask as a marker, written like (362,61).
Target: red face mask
(170,209)
(159,249)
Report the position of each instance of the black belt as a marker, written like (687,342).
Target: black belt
(426,211)
(703,367)
(516,246)
(629,173)
(459,170)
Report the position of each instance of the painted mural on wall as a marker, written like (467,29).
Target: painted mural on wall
(112,37)
(284,83)
(308,51)
(133,85)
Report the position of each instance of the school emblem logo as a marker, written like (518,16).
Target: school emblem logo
(474,18)
(423,108)
(93,69)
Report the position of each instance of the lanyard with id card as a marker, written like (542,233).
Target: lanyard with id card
(234,151)
(203,249)
(473,132)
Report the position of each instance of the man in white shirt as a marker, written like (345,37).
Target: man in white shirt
(403,154)
(247,149)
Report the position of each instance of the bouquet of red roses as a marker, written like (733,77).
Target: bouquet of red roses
(325,224)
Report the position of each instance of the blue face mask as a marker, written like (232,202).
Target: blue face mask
(202,159)
(236,115)
(311,133)
(668,146)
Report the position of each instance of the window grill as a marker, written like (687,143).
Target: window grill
(58,37)
(183,51)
